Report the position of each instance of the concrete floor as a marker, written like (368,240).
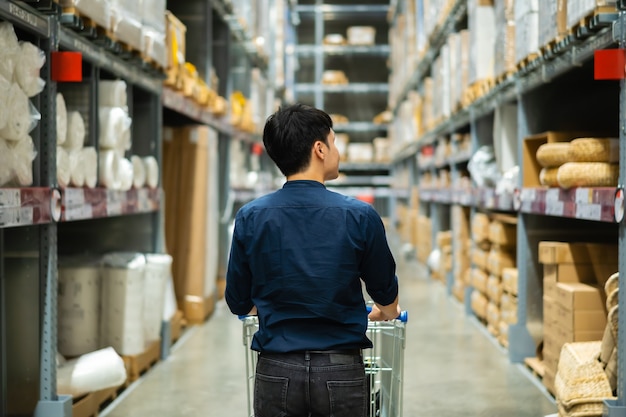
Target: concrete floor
(452,367)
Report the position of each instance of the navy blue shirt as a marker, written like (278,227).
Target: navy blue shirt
(299,254)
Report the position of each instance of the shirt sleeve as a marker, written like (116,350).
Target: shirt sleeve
(238,276)
(378,268)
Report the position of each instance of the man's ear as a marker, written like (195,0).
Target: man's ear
(318,148)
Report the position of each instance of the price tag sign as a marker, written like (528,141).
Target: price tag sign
(619,205)
(584,195)
(589,211)
(73,197)
(10,198)
(554,208)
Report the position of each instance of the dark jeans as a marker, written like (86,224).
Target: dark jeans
(310,384)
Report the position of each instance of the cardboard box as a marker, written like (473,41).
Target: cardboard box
(550,314)
(479,280)
(510,280)
(579,296)
(576,321)
(494,289)
(569,252)
(480,227)
(566,336)
(480,258)
(503,234)
(498,260)
(444,238)
(549,377)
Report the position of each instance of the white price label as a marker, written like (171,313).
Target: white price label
(114,208)
(16,216)
(584,195)
(554,208)
(73,197)
(553,195)
(10,198)
(84,211)
(589,211)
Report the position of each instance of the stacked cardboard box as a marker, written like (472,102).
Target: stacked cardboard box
(482,27)
(573,303)
(460,253)
(424,238)
(444,244)
(191,219)
(480,267)
(504,55)
(526,29)
(508,304)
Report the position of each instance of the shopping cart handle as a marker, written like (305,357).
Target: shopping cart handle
(403,317)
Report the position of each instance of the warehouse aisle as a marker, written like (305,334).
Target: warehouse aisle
(452,368)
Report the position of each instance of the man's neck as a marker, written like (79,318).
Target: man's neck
(306,176)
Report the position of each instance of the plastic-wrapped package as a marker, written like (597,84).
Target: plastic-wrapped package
(508,182)
(89,155)
(109,169)
(27,68)
(154,45)
(75,131)
(9,50)
(6,163)
(483,167)
(158,271)
(5,88)
(63,167)
(126,22)
(97,10)
(122,302)
(114,124)
(126,174)
(21,116)
(77,168)
(139,171)
(113,93)
(93,371)
(152,171)
(153,14)
(24,154)
(61,119)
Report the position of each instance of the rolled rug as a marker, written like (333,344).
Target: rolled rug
(126,174)
(89,156)
(152,171)
(19,119)
(61,119)
(109,169)
(75,131)
(77,168)
(114,122)
(27,68)
(139,171)
(63,167)
(113,93)
(24,154)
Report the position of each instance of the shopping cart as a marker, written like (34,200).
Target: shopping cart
(384,364)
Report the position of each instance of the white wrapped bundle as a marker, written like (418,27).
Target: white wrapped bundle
(139,172)
(122,302)
(75,131)
(158,271)
(113,93)
(114,125)
(153,14)
(126,174)
(97,10)
(27,68)
(24,154)
(109,169)
(63,167)
(61,119)
(6,163)
(9,50)
(78,309)
(77,168)
(19,119)
(93,371)
(90,165)
(152,171)
(5,88)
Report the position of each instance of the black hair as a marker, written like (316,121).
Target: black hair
(290,133)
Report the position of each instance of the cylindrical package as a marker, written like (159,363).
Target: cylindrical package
(19,121)
(63,167)
(126,174)
(122,302)
(24,154)
(6,163)
(75,131)
(109,169)
(78,309)
(77,168)
(158,271)
(27,68)
(90,165)
(61,119)
(93,371)
(114,122)
(139,172)
(152,171)
(112,93)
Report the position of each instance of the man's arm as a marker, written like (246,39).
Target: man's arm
(388,312)
(238,277)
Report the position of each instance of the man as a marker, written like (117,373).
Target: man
(297,260)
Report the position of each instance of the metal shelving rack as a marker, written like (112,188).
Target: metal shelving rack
(541,214)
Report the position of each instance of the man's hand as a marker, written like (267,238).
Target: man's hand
(382,313)
(252,312)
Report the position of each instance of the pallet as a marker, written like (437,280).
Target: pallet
(503,77)
(137,365)
(177,324)
(477,90)
(600,17)
(536,367)
(527,61)
(90,405)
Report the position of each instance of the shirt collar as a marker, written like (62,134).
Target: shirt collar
(303,184)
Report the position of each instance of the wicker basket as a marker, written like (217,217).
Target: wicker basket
(548,177)
(581,383)
(611,284)
(588,174)
(551,155)
(595,150)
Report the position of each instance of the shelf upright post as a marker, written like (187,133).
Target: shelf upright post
(319,54)
(617,408)
(50,404)
(3,348)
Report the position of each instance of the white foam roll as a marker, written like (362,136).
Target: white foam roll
(89,156)
(78,309)
(109,169)
(126,174)
(24,154)
(61,119)
(157,273)
(114,122)
(139,171)
(77,168)
(93,371)
(6,163)
(63,167)
(19,117)
(113,93)
(28,67)
(75,138)
(123,286)
(152,171)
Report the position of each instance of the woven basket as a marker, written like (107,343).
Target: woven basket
(581,383)
(611,284)
(588,174)
(554,154)
(594,150)
(548,177)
